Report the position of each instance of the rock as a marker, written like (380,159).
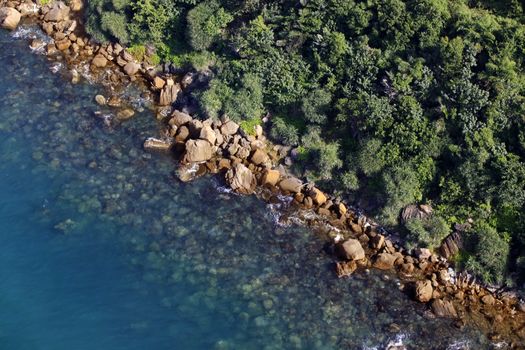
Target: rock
(407,268)
(343,269)
(125,114)
(291,184)
(259,157)
(182,134)
(169,94)
(377,241)
(342,209)
(488,300)
(77,5)
(229,128)
(350,249)
(243,153)
(443,308)
(27,9)
(384,261)
(154,144)
(99,61)
(9,18)
(131,68)
(158,83)
(188,172)
(187,79)
(451,245)
(197,151)
(423,291)
(208,134)
(413,211)
(241,179)
(422,253)
(270,177)
(101,100)
(318,197)
(323,211)
(114,101)
(59,12)
(258,130)
(443,276)
(63,44)
(179,118)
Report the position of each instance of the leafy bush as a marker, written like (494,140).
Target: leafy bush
(428,232)
(205,24)
(283,132)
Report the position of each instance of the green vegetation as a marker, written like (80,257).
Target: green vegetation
(389,101)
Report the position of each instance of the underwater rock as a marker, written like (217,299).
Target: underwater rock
(155,144)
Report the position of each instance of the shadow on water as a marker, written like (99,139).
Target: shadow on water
(102,249)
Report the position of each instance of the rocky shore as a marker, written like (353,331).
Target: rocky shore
(250,164)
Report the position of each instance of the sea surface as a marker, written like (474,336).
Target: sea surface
(102,248)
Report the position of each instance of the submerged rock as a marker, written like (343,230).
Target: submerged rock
(343,269)
(9,18)
(154,144)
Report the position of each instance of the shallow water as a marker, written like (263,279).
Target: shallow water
(101,248)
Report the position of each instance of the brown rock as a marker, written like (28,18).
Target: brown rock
(169,94)
(76,5)
(422,253)
(423,291)
(9,18)
(384,261)
(183,133)
(131,68)
(407,268)
(101,100)
(125,114)
(343,269)
(63,44)
(259,157)
(208,134)
(342,209)
(488,300)
(323,211)
(377,241)
(99,61)
(179,118)
(229,128)
(318,197)
(443,308)
(158,83)
(350,249)
(291,184)
(154,144)
(197,151)
(451,245)
(224,164)
(241,179)
(270,177)
(59,12)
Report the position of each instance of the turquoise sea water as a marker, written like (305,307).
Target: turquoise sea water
(101,248)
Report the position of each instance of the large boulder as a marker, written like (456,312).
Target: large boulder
(179,118)
(451,245)
(131,68)
(318,196)
(350,249)
(169,93)
(241,179)
(9,18)
(291,184)
(423,291)
(229,128)
(270,177)
(99,61)
(59,12)
(207,133)
(259,157)
(443,308)
(197,151)
(385,261)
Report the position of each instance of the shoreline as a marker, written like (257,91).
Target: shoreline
(249,163)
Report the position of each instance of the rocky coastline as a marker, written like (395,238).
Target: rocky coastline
(249,164)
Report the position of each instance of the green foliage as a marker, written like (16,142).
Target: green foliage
(490,254)
(428,232)
(115,24)
(137,51)
(206,23)
(284,132)
(249,125)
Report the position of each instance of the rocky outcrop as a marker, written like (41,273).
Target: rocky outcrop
(291,184)
(350,249)
(414,211)
(197,151)
(423,291)
(451,245)
(241,179)
(9,18)
(169,93)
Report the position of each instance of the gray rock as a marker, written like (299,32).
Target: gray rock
(291,184)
